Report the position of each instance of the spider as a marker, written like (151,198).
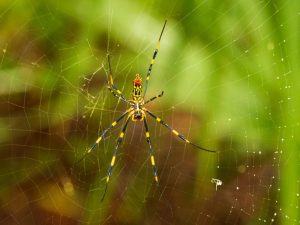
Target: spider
(136,112)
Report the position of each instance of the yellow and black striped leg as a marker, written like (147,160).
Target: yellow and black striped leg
(115,93)
(151,151)
(155,97)
(112,163)
(176,132)
(113,124)
(113,88)
(153,58)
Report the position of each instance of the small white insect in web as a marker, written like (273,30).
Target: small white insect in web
(217,182)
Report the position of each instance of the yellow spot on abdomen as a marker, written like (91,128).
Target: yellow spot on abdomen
(147,134)
(121,134)
(158,119)
(114,123)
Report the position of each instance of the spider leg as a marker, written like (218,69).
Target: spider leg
(115,93)
(175,132)
(113,124)
(113,88)
(150,151)
(119,140)
(153,58)
(155,97)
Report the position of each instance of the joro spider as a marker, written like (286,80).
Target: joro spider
(136,112)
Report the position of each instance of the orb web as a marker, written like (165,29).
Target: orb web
(226,74)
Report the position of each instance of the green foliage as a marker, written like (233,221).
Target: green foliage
(229,72)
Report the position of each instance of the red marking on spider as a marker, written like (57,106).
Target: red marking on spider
(137,81)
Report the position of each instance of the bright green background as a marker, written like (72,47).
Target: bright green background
(229,70)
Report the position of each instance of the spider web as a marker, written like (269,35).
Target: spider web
(226,71)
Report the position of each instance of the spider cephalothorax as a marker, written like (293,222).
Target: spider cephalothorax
(136,112)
